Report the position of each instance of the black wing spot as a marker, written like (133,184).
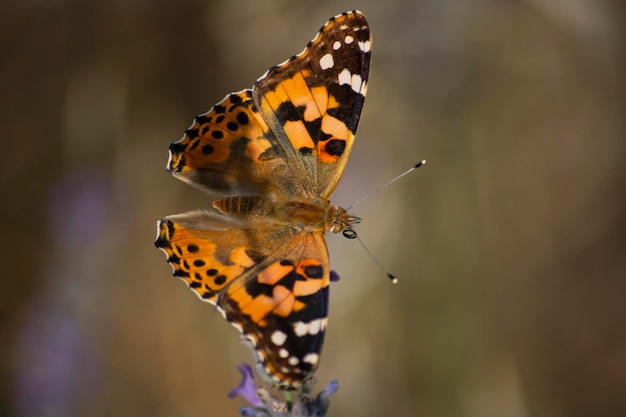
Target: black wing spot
(254,288)
(177,148)
(242,118)
(211,272)
(288,112)
(232,126)
(314,271)
(208,294)
(191,133)
(181,273)
(217,134)
(220,279)
(198,262)
(335,147)
(202,119)
(208,149)
(193,248)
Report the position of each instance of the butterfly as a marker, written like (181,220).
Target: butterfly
(273,154)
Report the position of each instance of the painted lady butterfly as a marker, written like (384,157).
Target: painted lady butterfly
(276,153)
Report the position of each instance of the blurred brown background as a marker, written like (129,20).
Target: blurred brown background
(510,244)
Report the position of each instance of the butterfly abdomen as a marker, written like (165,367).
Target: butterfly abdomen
(301,214)
(245,206)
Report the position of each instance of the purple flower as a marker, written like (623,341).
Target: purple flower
(247,389)
(331,388)
(266,405)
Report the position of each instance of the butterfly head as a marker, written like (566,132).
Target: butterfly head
(341,220)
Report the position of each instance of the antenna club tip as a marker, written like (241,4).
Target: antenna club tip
(420,163)
(393,278)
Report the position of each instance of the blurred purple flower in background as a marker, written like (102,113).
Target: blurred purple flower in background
(57,361)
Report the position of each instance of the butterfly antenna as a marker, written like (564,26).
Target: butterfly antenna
(419,164)
(350,233)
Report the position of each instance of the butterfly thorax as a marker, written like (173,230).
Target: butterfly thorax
(305,214)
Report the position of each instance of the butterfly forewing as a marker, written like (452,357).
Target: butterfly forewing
(313,101)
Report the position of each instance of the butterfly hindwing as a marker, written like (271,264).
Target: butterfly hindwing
(274,290)
(312,102)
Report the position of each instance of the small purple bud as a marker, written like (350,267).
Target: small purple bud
(247,411)
(331,388)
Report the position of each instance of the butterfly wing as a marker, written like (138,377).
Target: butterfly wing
(283,307)
(231,150)
(312,102)
(208,250)
(271,283)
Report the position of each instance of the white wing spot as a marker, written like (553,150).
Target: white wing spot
(293,361)
(300,328)
(356,83)
(345,77)
(278,337)
(365,46)
(353,80)
(348,40)
(315,326)
(336,45)
(283,353)
(311,358)
(327,61)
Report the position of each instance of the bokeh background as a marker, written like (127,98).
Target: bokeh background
(509,244)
